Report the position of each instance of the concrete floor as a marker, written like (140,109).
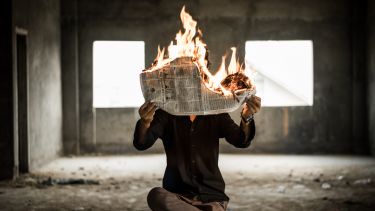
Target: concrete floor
(254,182)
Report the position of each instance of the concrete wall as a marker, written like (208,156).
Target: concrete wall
(326,127)
(41,18)
(114,128)
(371,73)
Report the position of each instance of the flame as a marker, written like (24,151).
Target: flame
(233,64)
(190,44)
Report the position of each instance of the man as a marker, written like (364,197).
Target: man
(192,179)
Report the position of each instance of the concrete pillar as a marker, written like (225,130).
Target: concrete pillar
(70,76)
(358,64)
(371,73)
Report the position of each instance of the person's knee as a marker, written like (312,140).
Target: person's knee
(155,193)
(154,197)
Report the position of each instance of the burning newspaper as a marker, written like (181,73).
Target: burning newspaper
(181,83)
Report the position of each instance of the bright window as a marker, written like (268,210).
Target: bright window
(116,66)
(284,71)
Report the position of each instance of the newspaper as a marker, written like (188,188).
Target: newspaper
(178,89)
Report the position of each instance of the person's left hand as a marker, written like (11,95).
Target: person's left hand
(251,106)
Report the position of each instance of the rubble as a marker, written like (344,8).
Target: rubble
(340,177)
(299,186)
(362,181)
(316,179)
(30,181)
(70,181)
(326,186)
(281,189)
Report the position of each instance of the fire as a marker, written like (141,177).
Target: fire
(190,44)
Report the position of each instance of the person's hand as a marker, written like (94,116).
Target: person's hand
(147,111)
(251,106)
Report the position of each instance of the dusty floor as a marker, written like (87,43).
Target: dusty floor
(256,182)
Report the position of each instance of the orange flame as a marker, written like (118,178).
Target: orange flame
(189,44)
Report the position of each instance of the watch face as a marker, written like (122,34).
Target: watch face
(248,119)
(251,117)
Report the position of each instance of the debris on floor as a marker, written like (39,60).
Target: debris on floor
(69,181)
(326,186)
(362,181)
(340,177)
(282,183)
(281,189)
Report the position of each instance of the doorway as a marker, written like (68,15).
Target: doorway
(22,101)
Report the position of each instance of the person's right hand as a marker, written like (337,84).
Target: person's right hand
(147,111)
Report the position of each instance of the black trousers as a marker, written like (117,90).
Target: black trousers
(159,199)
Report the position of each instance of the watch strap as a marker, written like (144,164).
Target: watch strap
(248,119)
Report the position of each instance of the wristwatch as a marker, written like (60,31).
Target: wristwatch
(248,119)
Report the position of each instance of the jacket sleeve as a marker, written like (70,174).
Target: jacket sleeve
(155,131)
(234,133)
